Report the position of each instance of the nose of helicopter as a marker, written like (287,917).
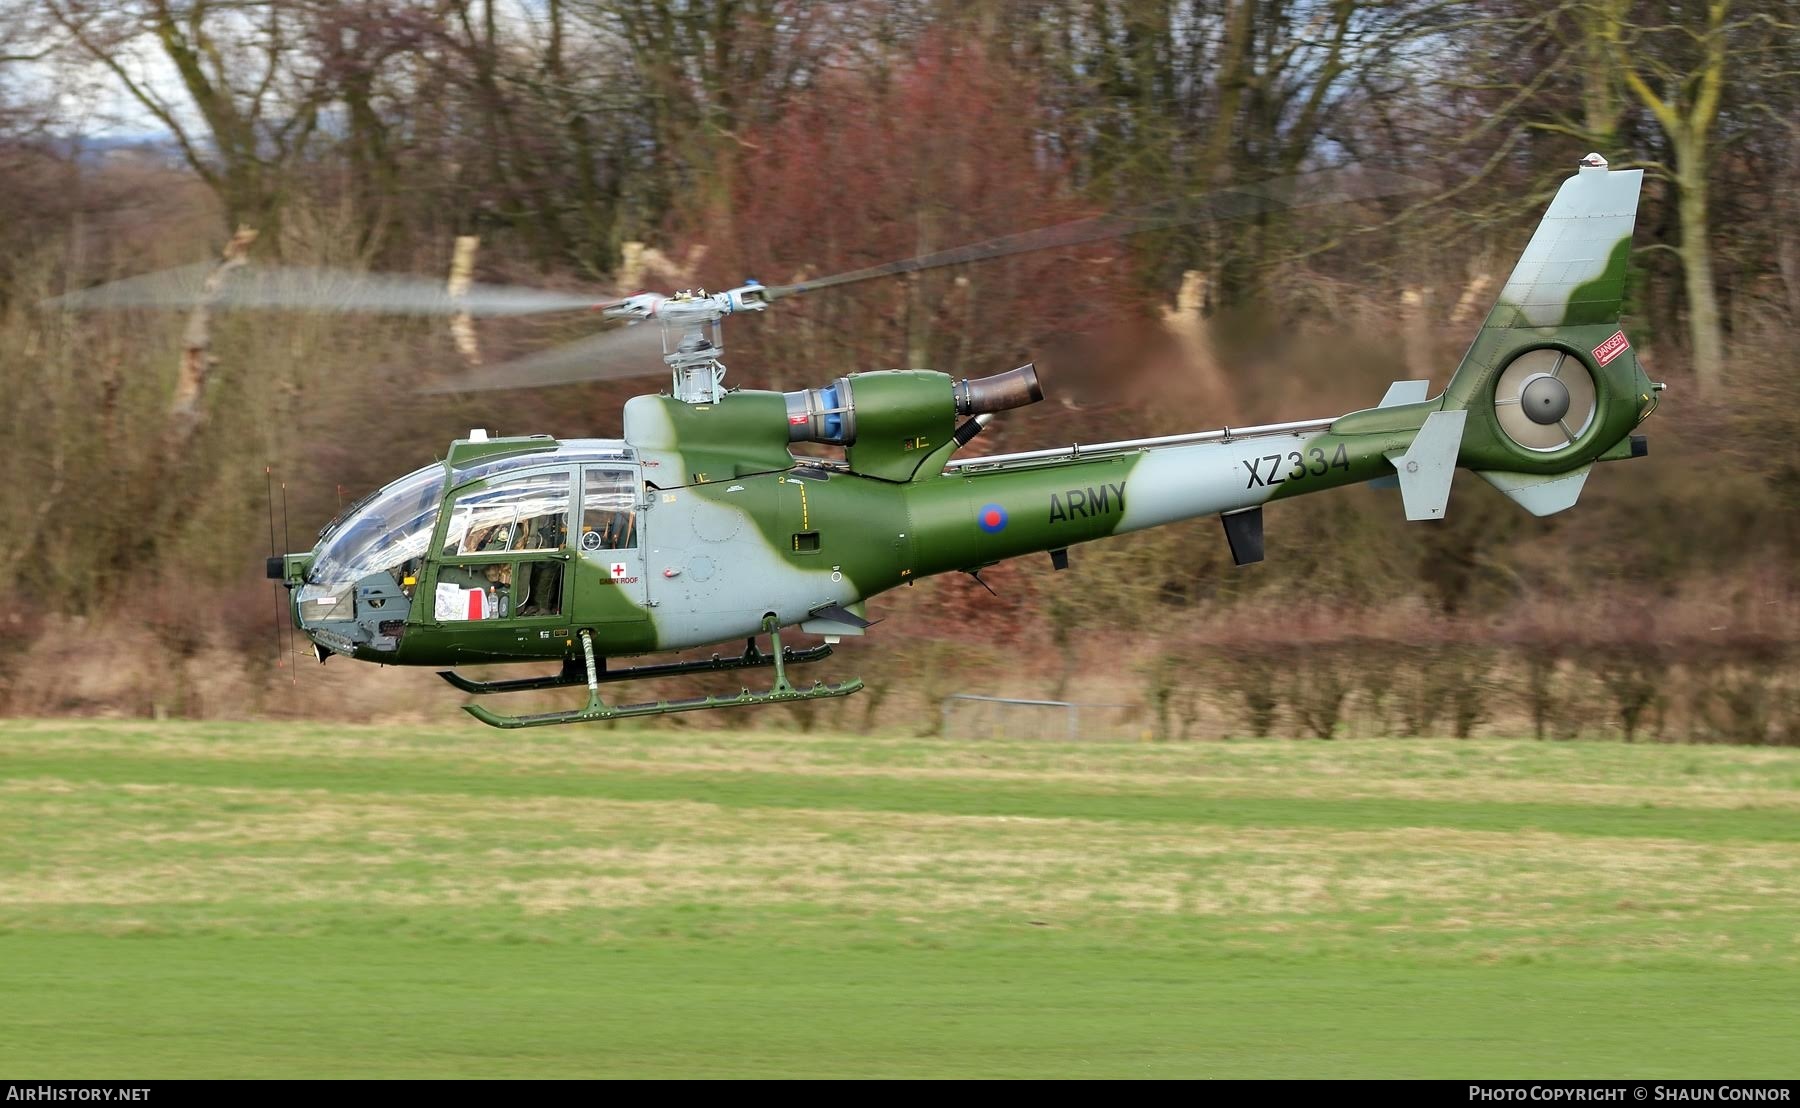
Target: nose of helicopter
(351,594)
(326,614)
(315,608)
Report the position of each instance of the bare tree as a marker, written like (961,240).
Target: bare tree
(1677,61)
(247,106)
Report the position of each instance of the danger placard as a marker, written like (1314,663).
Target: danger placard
(1611,348)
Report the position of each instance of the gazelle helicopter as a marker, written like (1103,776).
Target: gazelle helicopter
(700,525)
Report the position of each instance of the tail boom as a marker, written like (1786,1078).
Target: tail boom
(985,510)
(1549,386)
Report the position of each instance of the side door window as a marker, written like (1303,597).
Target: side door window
(520,513)
(611,546)
(502,553)
(609,509)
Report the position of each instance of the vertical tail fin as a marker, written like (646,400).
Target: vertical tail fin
(1550,382)
(1570,279)
(1573,270)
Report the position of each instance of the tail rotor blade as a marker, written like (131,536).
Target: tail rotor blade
(326,290)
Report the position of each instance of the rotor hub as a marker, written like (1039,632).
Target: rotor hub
(1545,399)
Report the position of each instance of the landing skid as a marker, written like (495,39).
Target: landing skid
(783,692)
(574,672)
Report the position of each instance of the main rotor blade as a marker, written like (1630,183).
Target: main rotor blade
(1306,190)
(631,351)
(328,290)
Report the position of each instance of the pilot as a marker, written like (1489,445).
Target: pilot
(545,535)
(615,533)
(492,537)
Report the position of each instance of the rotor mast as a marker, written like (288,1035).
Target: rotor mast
(692,335)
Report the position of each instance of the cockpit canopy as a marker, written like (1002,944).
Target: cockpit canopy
(529,511)
(391,528)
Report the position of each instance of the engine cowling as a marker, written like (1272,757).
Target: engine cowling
(830,414)
(888,423)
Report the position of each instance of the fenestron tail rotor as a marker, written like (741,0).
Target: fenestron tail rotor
(1545,399)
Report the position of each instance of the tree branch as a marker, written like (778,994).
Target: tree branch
(151,104)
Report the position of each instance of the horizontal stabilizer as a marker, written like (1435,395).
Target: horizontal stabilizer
(1426,468)
(836,619)
(1541,494)
(1405,392)
(1399,393)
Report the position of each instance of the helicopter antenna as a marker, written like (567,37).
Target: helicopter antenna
(287,544)
(281,644)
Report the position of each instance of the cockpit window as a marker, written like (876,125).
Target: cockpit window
(609,510)
(521,513)
(390,529)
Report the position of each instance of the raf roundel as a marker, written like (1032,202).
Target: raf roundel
(992,518)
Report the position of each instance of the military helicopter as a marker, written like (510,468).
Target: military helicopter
(700,525)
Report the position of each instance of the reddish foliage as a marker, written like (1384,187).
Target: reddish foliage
(943,153)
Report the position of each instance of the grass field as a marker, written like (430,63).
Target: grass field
(276,900)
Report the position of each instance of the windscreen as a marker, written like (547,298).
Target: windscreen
(394,527)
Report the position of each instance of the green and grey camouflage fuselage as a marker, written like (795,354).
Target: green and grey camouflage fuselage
(723,532)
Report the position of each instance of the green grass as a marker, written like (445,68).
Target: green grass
(299,900)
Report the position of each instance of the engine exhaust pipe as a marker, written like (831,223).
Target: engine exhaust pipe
(1013,389)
